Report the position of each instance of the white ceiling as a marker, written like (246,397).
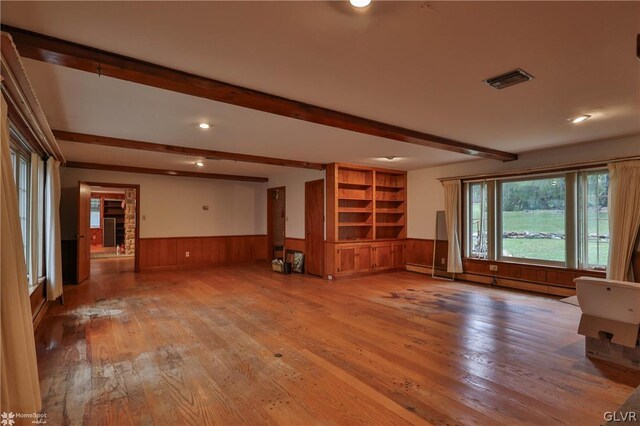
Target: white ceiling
(415,64)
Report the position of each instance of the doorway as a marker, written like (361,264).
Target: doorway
(276,221)
(314,226)
(108,228)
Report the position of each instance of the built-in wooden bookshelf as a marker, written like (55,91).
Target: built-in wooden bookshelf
(390,204)
(365,204)
(366,220)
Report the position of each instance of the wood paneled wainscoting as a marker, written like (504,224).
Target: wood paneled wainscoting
(216,250)
(419,252)
(296,244)
(541,279)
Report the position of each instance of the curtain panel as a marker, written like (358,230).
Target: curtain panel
(53,239)
(19,385)
(35,231)
(452,213)
(624,218)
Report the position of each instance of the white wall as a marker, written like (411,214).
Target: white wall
(172,206)
(294,180)
(425,195)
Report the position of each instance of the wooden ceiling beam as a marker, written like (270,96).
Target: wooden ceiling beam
(61,52)
(145,170)
(181,150)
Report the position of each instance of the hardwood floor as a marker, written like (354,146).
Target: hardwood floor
(244,345)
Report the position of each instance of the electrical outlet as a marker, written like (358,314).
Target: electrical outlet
(186,254)
(493,267)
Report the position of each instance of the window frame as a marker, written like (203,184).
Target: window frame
(583,219)
(100,200)
(468,215)
(573,222)
(18,155)
(499,221)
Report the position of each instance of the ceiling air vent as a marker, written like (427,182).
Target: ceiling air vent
(511,78)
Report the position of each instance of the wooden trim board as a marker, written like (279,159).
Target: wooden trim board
(163,172)
(181,150)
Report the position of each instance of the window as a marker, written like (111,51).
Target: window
(29,176)
(533,219)
(559,219)
(594,218)
(95,213)
(478,219)
(21,174)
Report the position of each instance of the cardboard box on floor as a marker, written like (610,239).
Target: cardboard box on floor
(611,340)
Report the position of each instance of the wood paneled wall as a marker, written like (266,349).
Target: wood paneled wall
(420,252)
(163,252)
(294,244)
(548,275)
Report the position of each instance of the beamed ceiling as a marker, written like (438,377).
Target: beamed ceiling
(416,65)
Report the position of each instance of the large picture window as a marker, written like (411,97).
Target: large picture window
(559,219)
(533,219)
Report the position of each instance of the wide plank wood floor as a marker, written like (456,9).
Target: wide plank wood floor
(244,345)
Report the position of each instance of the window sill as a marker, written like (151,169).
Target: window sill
(533,262)
(33,288)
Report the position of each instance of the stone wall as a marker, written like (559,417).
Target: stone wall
(130,221)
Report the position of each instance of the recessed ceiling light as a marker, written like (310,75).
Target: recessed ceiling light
(360,3)
(579,119)
(199,163)
(204,125)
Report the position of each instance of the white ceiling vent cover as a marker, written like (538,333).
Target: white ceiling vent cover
(511,78)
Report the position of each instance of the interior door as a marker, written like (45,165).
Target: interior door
(84,231)
(314,226)
(276,221)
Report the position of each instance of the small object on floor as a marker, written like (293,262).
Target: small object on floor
(278,355)
(277,265)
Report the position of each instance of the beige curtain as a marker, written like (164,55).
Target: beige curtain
(452,213)
(624,217)
(53,249)
(19,387)
(35,227)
